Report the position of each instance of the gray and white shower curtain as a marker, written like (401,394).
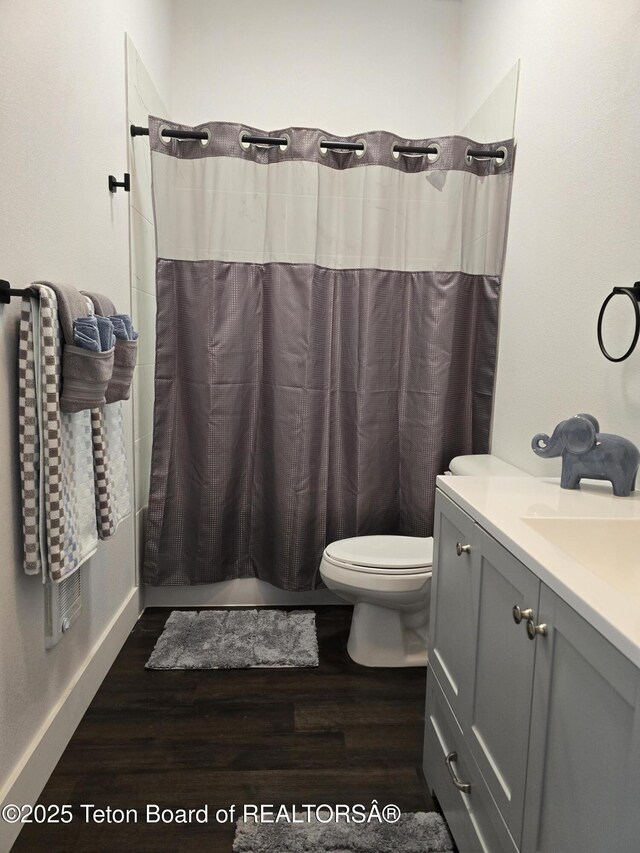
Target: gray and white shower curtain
(326,339)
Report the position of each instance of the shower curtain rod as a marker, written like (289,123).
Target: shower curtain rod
(325,143)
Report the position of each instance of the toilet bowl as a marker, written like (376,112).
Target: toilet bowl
(388,580)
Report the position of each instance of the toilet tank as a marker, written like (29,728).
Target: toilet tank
(483,465)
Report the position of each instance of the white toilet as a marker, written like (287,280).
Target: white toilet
(388,579)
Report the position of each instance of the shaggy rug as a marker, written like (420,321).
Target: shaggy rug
(419,832)
(236,639)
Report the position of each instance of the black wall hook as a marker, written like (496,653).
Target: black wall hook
(125,184)
(634,295)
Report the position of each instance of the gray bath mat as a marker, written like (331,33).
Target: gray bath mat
(419,832)
(236,639)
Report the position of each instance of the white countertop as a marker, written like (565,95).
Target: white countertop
(514,510)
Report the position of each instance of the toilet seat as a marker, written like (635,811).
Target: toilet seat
(406,555)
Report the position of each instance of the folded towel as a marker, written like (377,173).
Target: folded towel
(86,334)
(126,347)
(107,334)
(124,362)
(85,376)
(113,495)
(123,327)
(56,458)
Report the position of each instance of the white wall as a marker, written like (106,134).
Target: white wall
(62,101)
(575,210)
(342,65)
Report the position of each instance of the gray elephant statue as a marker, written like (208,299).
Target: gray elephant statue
(590,454)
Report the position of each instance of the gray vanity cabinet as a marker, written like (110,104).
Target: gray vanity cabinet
(583,774)
(531,742)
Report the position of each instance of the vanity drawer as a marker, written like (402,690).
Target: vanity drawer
(473,817)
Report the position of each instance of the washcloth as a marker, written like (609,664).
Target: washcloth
(106,332)
(123,327)
(126,347)
(86,334)
(56,453)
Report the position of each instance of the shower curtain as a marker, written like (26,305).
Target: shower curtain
(326,338)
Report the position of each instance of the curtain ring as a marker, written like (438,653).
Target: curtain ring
(505,154)
(634,295)
(166,140)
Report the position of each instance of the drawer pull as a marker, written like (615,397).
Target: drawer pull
(519,615)
(465,787)
(462,549)
(533,630)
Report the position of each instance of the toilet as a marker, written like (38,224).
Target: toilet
(388,579)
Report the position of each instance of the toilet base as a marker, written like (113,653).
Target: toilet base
(383,637)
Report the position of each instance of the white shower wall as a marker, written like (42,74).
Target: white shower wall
(342,65)
(143,100)
(575,209)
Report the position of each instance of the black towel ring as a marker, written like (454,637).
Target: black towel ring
(634,295)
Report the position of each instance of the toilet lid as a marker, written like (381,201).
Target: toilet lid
(383,552)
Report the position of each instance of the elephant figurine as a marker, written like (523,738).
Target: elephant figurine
(588,453)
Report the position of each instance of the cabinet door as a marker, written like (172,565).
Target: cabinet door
(451,619)
(583,777)
(497,715)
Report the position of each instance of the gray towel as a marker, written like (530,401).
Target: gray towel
(71,304)
(126,347)
(85,373)
(103,306)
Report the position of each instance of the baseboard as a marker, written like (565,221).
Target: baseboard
(43,753)
(248,592)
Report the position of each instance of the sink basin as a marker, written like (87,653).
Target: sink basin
(608,547)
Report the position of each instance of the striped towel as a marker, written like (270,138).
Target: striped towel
(75,485)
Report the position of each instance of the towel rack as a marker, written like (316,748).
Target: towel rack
(6,292)
(634,295)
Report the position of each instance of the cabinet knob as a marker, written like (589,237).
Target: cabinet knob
(462,549)
(519,614)
(465,787)
(533,629)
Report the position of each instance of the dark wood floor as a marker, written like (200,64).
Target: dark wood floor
(339,733)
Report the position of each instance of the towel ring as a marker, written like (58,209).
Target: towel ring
(634,295)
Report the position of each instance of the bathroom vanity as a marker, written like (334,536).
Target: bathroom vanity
(532,733)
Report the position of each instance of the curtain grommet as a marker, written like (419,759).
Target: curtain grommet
(205,142)
(505,154)
(433,158)
(166,140)
(360,154)
(244,145)
(287,145)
